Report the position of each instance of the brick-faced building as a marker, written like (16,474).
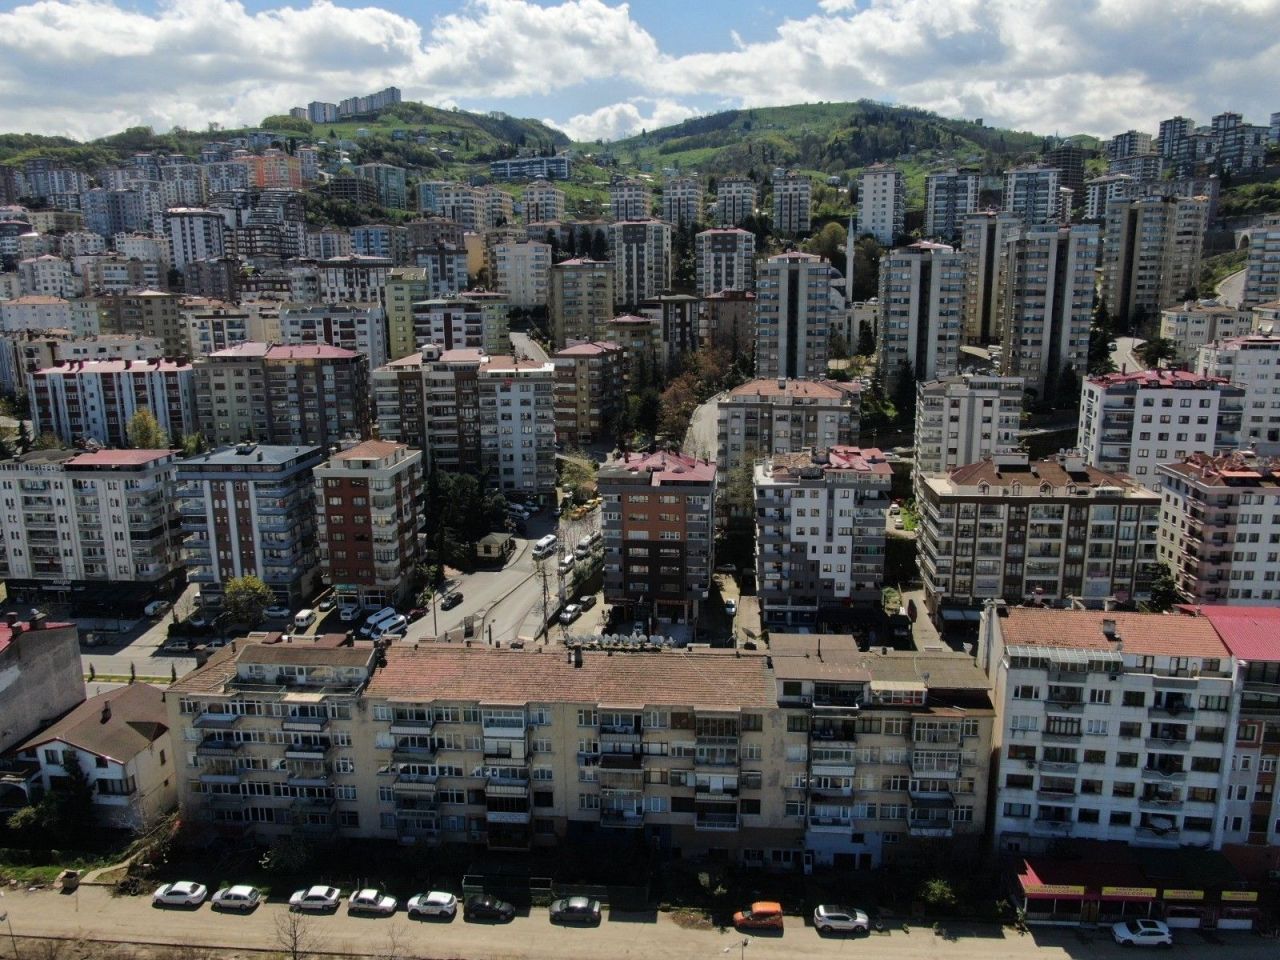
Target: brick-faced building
(588,392)
(367,518)
(658,541)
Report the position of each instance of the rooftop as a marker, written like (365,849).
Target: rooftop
(1250,633)
(310,351)
(663,467)
(368,450)
(154,365)
(1156,378)
(593,348)
(823,656)
(1230,469)
(105,459)
(7,632)
(815,389)
(118,724)
(1030,474)
(855,459)
(1145,634)
(249,453)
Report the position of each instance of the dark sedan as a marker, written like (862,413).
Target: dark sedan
(485,907)
(575,910)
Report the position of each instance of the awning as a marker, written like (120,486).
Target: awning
(1129,893)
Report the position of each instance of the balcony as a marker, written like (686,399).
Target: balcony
(413,753)
(300,723)
(307,751)
(1160,743)
(622,819)
(218,747)
(408,726)
(216,721)
(830,824)
(508,816)
(506,787)
(716,821)
(1163,775)
(415,784)
(931,829)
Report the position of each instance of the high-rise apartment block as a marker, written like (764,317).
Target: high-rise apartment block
(250,509)
(921,304)
(147,313)
(1151,253)
(194,234)
(1101,191)
(473,321)
(641,253)
(1023,531)
(761,418)
(589,391)
(820,528)
(964,419)
(1032,194)
(792,196)
(794,307)
(726,260)
(520,272)
(735,201)
(984,236)
(95,399)
(1262,273)
(950,197)
(580,298)
(1132,422)
(1252,363)
(1198,323)
(390,180)
(882,203)
(682,202)
(543,202)
(630,200)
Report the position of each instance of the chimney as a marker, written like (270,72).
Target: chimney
(577,658)
(106,712)
(1109,629)
(11,619)
(38,621)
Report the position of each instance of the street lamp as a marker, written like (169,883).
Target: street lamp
(742,948)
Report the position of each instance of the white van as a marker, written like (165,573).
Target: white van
(304,619)
(545,547)
(566,563)
(377,620)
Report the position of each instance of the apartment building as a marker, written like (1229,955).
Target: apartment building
(398,401)
(725,260)
(404,287)
(358,327)
(470,320)
(523,168)
(115,274)
(677,324)
(658,537)
(390,182)
(1068,158)
(641,254)
(382,240)
(147,313)
(735,201)
(50,313)
(589,392)
(792,199)
(1262,273)
(682,202)
(1151,253)
(100,527)
(761,418)
(950,197)
(213,325)
(368,512)
(43,660)
(1047,303)
(353,279)
(1198,323)
(1113,726)
(984,236)
(250,509)
(729,319)
(640,339)
(95,399)
(1099,193)
(882,203)
(794,310)
(1132,422)
(543,202)
(1252,363)
(1049,530)
(1217,526)
(194,234)
(898,749)
(1032,194)
(521,272)
(580,298)
(326,244)
(820,530)
(630,200)
(965,419)
(921,306)
(48,276)
(448,268)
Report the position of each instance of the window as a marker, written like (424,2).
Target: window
(1026,692)
(1085,815)
(1134,698)
(1121,818)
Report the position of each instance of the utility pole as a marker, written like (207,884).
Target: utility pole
(546,610)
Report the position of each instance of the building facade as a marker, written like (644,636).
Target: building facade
(882,203)
(950,197)
(794,307)
(761,418)
(792,198)
(641,252)
(735,201)
(95,399)
(964,419)
(589,392)
(921,307)
(1197,323)
(726,260)
(580,299)
(1151,253)
(1251,363)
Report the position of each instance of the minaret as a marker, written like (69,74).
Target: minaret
(848,264)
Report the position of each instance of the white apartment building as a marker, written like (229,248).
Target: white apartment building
(214,325)
(48,276)
(358,327)
(950,197)
(1253,363)
(353,279)
(1196,323)
(543,202)
(1101,191)
(983,239)
(1047,303)
(1262,274)
(794,311)
(792,196)
(1113,726)
(520,439)
(726,260)
(735,201)
(458,202)
(820,529)
(82,243)
(194,234)
(521,272)
(1032,194)
(1218,528)
(50,313)
(882,203)
(641,252)
(682,201)
(1151,253)
(1132,422)
(471,321)
(921,306)
(630,200)
(1048,530)
(580,299)
(103,524)
(143,246)
(96,398)
(761,418)
(964,419)
(327,244)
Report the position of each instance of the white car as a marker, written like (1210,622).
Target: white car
(316,898)
(570,613)
(184,893)
(395,626)
(241,897)
(371,901)
(828,918)
(437,903)
(1142,933)
(731,607)
(277,612)
(156,607)
(348,614)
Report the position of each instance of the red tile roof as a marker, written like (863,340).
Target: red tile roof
(825,389)
(1155,378)
(1148,634)
(310,351)
(591,348)
(119,458)
(369,450)
(1250,633)
(664,467)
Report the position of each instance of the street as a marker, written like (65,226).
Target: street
(702,437)
(94,913)
(1124,356)
(524,345)
(1231,289)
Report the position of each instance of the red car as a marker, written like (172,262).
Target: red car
(417,613)
(762,915)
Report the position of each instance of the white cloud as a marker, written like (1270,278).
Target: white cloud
(619,120)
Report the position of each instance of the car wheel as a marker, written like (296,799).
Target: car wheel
(823,929)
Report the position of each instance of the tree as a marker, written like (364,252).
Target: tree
(937,893)
(1158,352)
(1068,393)
(1164,591)
(47,441)
(904,393)
(24,437)
(145,433)
(246,599)
(193,444)
(294,937)
(829,243)
(866,340)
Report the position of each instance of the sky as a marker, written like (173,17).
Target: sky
(603,69)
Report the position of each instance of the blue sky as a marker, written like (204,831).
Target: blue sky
(605,69)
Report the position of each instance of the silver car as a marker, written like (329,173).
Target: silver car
(437,903)
(184,893)
(371,900)
(241,897)
(829,918)
(316,898)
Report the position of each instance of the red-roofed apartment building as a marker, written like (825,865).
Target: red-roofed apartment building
(588,393)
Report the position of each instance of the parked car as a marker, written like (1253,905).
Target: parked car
(570,613)
(157,608)
(437,903)
(184,893)
(416,614)
(303,619)
(1142,933)
(371,900)
(731,607)
(325,605)
(316,898)
(575,910)
(349,614)
(587,602)
(451,601)
(394,626)
(277,611)
(761,915)
(485,907)
(828,918)
(241,897)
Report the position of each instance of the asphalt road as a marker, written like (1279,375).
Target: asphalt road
(524,345)
(1231,288)
(94,913)
(1124,357)
(701,439)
